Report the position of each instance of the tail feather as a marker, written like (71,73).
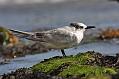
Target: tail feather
(21,32)
(28,35)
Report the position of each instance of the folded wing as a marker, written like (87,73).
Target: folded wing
(56,36)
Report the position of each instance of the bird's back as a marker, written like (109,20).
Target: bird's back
(58,38)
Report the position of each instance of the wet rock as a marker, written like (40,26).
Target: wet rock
(11,46)
(102,60)
(86,60)
(109,33)
(91,59)
(25,73)
(59,69)
(21,50)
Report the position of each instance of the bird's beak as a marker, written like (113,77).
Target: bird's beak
(89,27)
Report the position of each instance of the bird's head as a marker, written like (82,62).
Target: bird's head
(81,26)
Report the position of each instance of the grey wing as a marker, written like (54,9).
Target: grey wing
(56,36)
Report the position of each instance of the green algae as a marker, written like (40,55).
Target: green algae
(5,32)
(51,64)
(73,65)
(55,62)
(86,70)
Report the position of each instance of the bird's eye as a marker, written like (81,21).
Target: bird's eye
(76,26)
(81,27)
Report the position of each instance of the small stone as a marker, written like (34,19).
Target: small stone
(12,77)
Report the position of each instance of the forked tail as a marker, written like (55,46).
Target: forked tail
(27,35)
(21,32)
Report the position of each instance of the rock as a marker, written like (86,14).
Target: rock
(109,33)
(83,65)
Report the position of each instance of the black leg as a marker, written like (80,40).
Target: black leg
(63,53)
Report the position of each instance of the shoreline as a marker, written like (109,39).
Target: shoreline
(92,60)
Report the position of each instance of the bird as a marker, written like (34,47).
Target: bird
(60,38)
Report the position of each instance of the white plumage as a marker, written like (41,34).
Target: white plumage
(60,38)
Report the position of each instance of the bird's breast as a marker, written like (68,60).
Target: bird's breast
(79,37)
(71,40)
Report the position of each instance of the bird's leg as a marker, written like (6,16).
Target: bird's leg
(63,53)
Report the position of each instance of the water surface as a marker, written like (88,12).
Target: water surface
(105,48)
(101,13)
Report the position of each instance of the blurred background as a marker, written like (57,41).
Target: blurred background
(30,15)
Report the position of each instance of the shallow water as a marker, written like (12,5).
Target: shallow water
(101,13)
(29,60)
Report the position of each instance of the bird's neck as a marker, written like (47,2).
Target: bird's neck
(79,35)
(79,32)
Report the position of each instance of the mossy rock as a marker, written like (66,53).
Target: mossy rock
(3,35)
(77,65)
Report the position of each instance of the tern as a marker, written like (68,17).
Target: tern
(59,38)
